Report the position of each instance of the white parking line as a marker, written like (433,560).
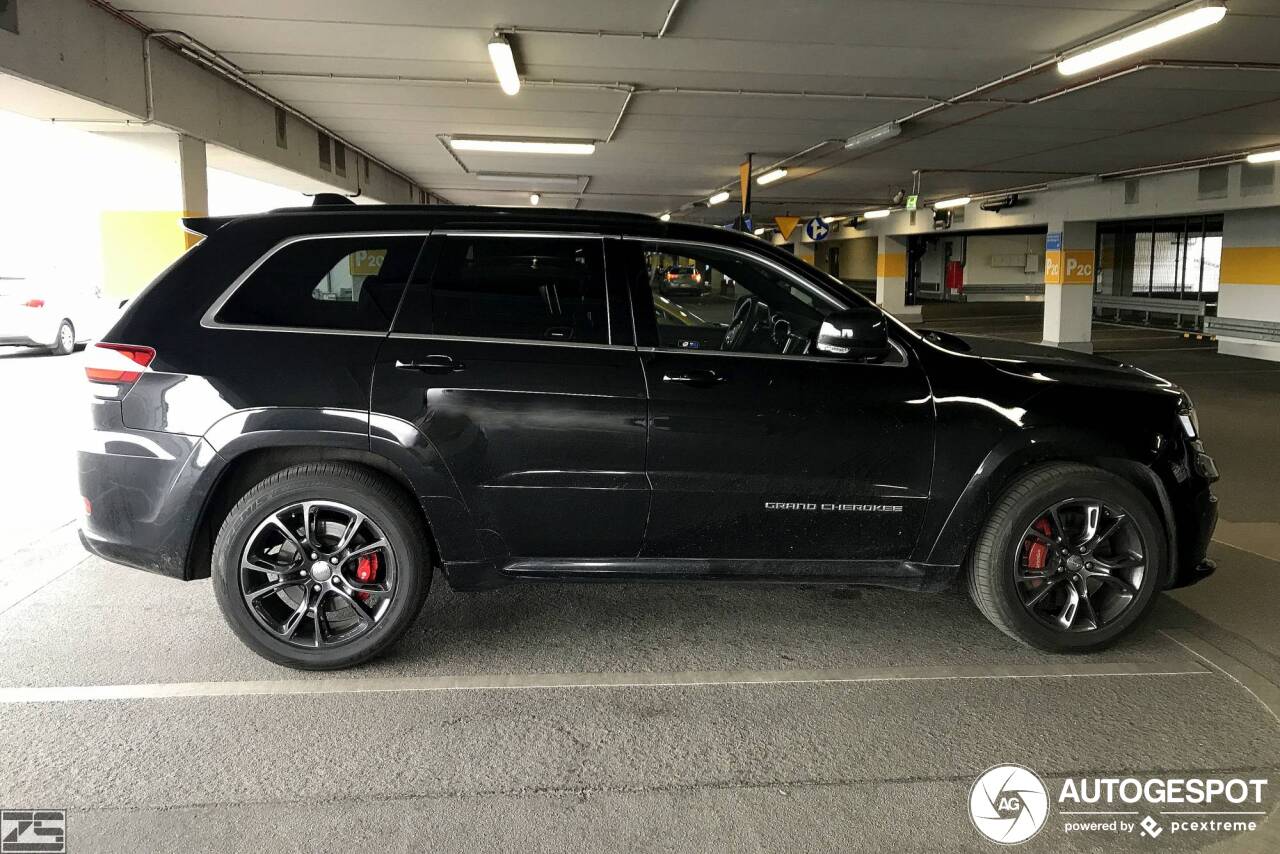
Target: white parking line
(1262,689)
(501,682)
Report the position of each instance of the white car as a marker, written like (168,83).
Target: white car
(37,314)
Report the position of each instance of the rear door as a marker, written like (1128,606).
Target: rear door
(505,359)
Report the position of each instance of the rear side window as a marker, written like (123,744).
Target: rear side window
(351,283)
(523,288)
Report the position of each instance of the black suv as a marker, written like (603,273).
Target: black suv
(319,406)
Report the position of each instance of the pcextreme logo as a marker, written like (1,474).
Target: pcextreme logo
(1009,804)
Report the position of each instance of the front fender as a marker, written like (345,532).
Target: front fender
(1014,453)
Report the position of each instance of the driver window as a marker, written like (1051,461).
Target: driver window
(710,299)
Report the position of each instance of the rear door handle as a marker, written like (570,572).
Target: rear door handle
(700,378)
(431,365)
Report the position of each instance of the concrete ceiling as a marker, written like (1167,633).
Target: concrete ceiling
(673,148)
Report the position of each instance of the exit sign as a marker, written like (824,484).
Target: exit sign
(913,202)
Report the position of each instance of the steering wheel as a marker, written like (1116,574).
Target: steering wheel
(751,318)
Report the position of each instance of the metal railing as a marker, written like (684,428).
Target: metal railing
(1148,306)
(1239,327)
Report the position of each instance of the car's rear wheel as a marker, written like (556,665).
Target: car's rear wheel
(66,340)
(1070,559)
(321,566)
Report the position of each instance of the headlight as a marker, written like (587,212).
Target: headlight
(1187,417)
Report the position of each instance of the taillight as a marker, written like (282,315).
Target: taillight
(113,368)
(697,277)
(34,303)
(671,277)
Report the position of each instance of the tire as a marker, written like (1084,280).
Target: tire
(390,518)
(65,343)
(1001,554)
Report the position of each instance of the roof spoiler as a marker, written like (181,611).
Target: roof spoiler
(320,199)
(204,225)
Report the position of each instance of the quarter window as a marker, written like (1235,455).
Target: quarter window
(337,283)
(523,288)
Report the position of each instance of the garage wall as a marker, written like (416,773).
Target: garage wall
(857,258)
(987,281)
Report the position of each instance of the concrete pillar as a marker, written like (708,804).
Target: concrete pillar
(193,178)
(804,251)
(891,277)
(167,179)
(1249,288)
(1068,285)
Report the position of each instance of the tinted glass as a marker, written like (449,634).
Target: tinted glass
(327,283)
(528,288)
(699,293)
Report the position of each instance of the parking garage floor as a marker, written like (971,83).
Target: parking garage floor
(651,717)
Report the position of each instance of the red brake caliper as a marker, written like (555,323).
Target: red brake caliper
(1038,551)
(366,573)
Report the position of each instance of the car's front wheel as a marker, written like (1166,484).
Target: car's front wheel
(321,566)
(1070,559)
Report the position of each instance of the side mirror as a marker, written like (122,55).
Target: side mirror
(857,334)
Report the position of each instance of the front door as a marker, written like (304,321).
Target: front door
(505,361)
(758,447)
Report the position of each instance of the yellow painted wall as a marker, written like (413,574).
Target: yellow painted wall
(1251,265)
(136,246)
(891,265)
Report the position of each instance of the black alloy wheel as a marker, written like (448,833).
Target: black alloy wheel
(322,565)
(318,573)
(1080,565)
(1070,558)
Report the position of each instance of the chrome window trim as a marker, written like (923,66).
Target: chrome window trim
(536,235)
(208,319)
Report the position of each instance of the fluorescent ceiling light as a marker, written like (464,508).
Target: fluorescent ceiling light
(666,217)
(1156,31)
(759,231)
(771,176)
(534,198)
(504,64)
(877,214)
(522,145)
(530,180)
(958,202)
(722,196)
(875,136)
(1264,156)
(829,220)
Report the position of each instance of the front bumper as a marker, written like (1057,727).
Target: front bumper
(1195,514)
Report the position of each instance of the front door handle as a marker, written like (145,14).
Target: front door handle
(431,365)
(699,378)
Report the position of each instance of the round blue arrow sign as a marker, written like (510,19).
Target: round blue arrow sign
(816,229)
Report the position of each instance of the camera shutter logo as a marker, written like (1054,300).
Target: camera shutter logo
(1008,804)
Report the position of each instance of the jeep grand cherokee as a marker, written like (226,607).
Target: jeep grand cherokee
(318,407)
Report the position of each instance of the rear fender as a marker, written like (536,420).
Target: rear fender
(251,444)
